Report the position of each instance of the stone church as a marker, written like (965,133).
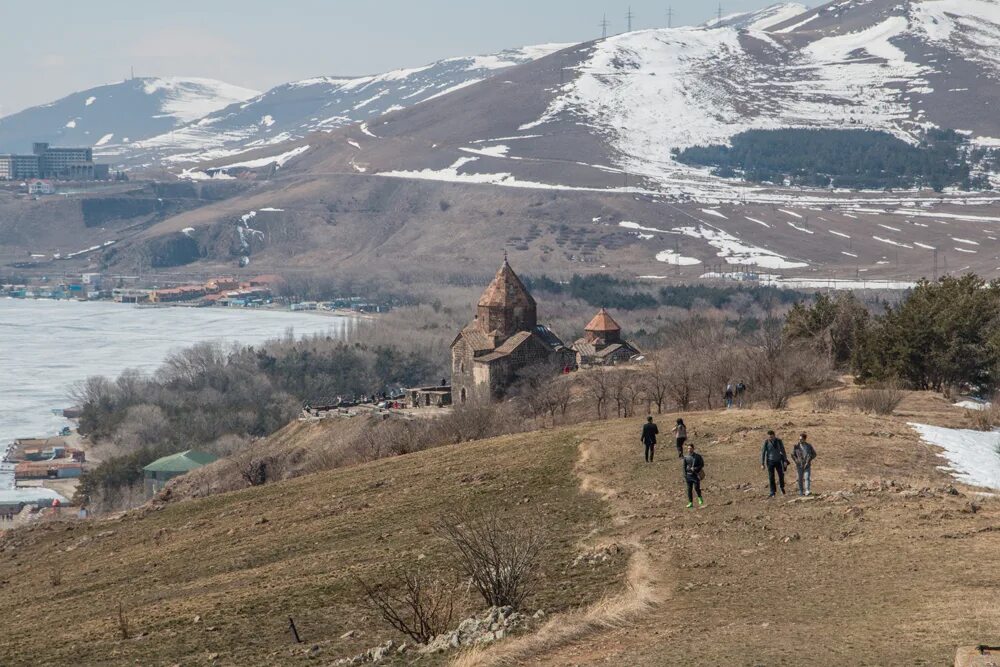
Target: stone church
(503,340)
(602,343)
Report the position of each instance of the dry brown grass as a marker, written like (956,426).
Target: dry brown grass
(245,561)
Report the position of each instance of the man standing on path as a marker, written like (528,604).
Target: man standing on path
(774,459)
(649,432)
(804,454)
(694,467)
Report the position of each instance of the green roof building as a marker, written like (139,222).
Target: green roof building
(159,472)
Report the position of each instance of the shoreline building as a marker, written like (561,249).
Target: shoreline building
(602,343)
(46,162)
(503,339)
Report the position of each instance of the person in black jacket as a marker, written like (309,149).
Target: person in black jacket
(694,466)
(774,459)
(649,432)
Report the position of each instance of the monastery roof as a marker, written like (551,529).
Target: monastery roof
(602,322)
(505,289)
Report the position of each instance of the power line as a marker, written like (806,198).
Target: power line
(629,16)
(604,27)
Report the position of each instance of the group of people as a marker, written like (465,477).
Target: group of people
(733,395)
(773,458)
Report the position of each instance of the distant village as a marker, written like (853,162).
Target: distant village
(258,292)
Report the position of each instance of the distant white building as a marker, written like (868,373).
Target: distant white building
(41,187)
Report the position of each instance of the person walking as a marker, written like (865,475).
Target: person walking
(694,472)
(804,454)
(649,432)
(681,436)
(775,460)
(728,395)
(741,389)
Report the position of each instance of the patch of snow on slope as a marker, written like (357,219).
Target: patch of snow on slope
(490,151)
(105,139)
(972,455)
(676,259)
(970,27)
(71,124)
(278,160)
(90,100)
(713,212)
(188,99)
(735,251)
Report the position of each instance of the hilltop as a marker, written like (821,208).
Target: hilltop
(883,565)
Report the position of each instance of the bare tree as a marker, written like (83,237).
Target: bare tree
(656,381)
(501,556)
(625,389)
(597,384)
(781,368)
(681,377)
(416,604)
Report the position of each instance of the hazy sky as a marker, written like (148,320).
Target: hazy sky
(61,46)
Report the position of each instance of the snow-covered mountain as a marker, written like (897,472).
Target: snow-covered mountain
(293,110)
(118,113)
(901,67)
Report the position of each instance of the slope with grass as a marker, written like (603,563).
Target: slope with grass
(890,562)
(242,563)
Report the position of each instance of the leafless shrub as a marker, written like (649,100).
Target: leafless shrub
(827,402)
(256,466)
(882,399)
(55,577)
(124,631)
(416,604)
(987,418)
(500,556)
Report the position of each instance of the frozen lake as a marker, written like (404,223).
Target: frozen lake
(46,346)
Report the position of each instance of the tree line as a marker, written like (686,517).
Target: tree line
(854,159)
(203,396)
(943,334)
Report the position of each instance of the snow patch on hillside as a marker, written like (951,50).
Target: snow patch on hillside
(188,99)
(972,455)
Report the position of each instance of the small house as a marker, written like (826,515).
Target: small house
(159,472)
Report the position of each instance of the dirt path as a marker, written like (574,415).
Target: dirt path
(888,564)
(643,591)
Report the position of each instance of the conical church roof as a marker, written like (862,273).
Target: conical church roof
(602,322)
(506,290)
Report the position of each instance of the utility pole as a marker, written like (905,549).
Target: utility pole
(935,265)
(719,24)
(604,27)
(670,16)
(629,16)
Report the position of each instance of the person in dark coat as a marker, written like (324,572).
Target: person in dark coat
(649,432)
(694,467)
(775,460)
(681,435)
(804,454)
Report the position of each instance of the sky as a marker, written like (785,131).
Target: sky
(74,45)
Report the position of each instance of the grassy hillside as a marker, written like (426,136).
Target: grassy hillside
(246,561)
(890,563)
